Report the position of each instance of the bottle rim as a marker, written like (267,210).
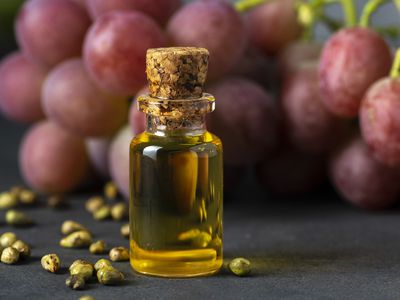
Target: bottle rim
(176,108)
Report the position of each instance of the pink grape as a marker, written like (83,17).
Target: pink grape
(51,31)
(98,155)
(291,173)
(273,25)
(73,100)
(362,180)
(115,50)
(245,119)
(214,25)
(118,158)
(159,10)
(352,60)
(20,87)
(52,160)
(309,125)
(380,120)
(137,119)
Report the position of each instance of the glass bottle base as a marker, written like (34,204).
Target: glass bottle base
(183,263)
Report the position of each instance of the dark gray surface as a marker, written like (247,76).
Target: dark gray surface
(315,248)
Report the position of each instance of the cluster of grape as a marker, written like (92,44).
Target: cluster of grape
(82,61)
(321,102)
(323,91)
(78,64)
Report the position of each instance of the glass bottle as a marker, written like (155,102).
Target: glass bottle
(176,171)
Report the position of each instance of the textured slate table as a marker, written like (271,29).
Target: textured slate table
(314,248)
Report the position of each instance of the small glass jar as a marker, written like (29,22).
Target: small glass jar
(176,190)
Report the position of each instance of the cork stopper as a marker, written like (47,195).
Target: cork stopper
(176,72)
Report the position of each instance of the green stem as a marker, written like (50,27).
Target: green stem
(350,14)
(306,17)
(397,3)
(369,8)
(245,5)
(395,72)
(318,4)
(312,12)
(327,2)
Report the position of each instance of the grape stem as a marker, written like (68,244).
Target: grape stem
(369,8)
(306,17)
(395,72)
(331,1)
(397,3)
(245,5)
(350,14)
(311,12)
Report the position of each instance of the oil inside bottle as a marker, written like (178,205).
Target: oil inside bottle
(176,204)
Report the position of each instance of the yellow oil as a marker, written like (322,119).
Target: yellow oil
(176,204)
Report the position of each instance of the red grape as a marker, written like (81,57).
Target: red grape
(361,179)
(290,173)
(98,155)
(20,86)
(273,25)
(50,31)
(380,120)
(51,159)
(137,119)
(310,126)
(118,159)
(214,25)
(295,55)
(351,61)
(73,101)
(245,119)
(160,10)
(115,50)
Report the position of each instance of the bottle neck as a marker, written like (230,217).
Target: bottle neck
(163,126)
(182,117)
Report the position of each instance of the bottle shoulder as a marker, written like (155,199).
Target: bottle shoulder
(215,139)
(146,139)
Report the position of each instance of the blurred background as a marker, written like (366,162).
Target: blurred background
(281,139)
